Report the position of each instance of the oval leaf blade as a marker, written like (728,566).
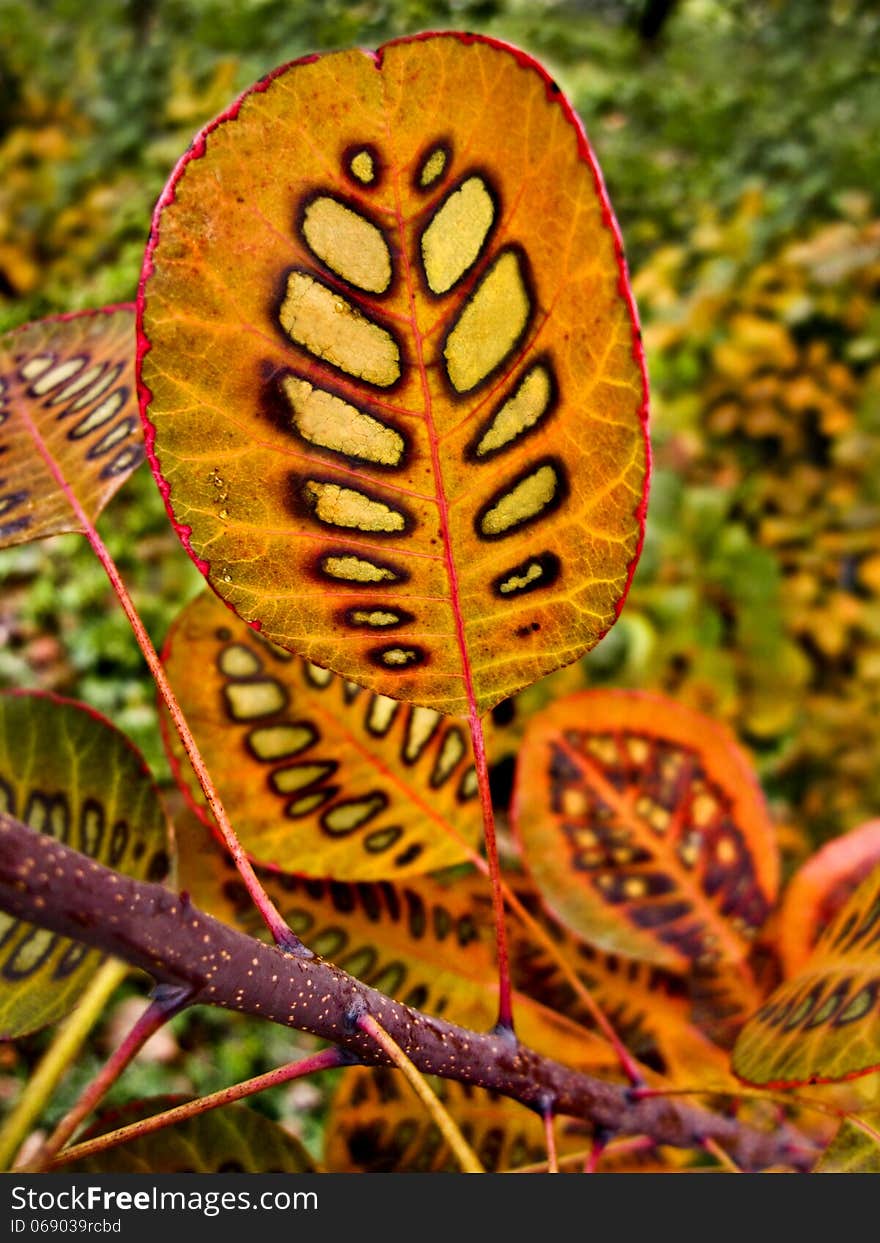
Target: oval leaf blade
(68,420)
(823,1025)
(319,776)
(644,828)
(419,942)
(231,1140)
(391,374)
(66,771)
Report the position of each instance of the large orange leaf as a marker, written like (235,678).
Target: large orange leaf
(68,420)
(823,1025)
(644,828)
(819,889)
(391,370)
(418,942)
(318,775)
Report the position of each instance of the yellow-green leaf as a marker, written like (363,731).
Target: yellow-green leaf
(66,771)
(824,1024)
(852,1151)
(319,776)
(395,387)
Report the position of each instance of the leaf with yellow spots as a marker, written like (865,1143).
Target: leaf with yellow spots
(819,889)
(377,1126)
(319,776)
(650,1009)
(824,1024)
(393,382)
(644,829)
(69,430)
(418,942)
(66,771)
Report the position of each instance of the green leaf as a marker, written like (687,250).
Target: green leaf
(232,1140)
(66,771)
(852,1151)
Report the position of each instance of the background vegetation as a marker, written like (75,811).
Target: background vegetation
(739,141)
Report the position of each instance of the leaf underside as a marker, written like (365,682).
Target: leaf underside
(418,942)
(319,776)
(824,1024)
(67,772)
(396,395)
(644,830)
(68,418)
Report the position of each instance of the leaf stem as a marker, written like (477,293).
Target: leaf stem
(459,1146)
(283,935)
(64,1048)
(505,1003)
(165,1004)
(327,1059)
(550,1137)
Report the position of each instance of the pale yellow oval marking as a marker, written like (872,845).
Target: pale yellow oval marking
(357,570)
(280,742)
(516,582)
(420,730)
(7,502)
(346,817)
(239,661)
(827,1008)
(363,167)
(57,375)
(100,386)
(704,809)
(100,415)
(524,501)
(726,851)
(58,819)
(520,412)
(327,421)
(302,806)
(490,325)
(449,757)
(29,950)
(635,887)
(433,168)
(455,236)
(469,786)
(330,327)
(288,780)
(248,700)
(857,1007)
(374,617)
(350,245)
(397,657)
(639,751)
(317,676)
(111,438)
(36,366)
(381,714)
(344,507)
(76,386)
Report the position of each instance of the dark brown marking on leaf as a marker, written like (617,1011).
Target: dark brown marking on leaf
(69,960)
(353,205)
(409,855)
(541,360)
(382,839)
(416,915)
(398,657)
(483,175)
(560,494)
(443,148)
(348,158)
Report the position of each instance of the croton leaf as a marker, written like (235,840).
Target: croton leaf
(824,1024)
(418,942)
(854,1150)
(232,1140)
(319,776)
(819,889)
(644,829)
(377,1125)
(66,771)
(391,371)
(68,420)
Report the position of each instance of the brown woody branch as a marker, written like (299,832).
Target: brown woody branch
(161,932)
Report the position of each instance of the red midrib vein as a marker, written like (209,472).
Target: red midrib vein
(436,462)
